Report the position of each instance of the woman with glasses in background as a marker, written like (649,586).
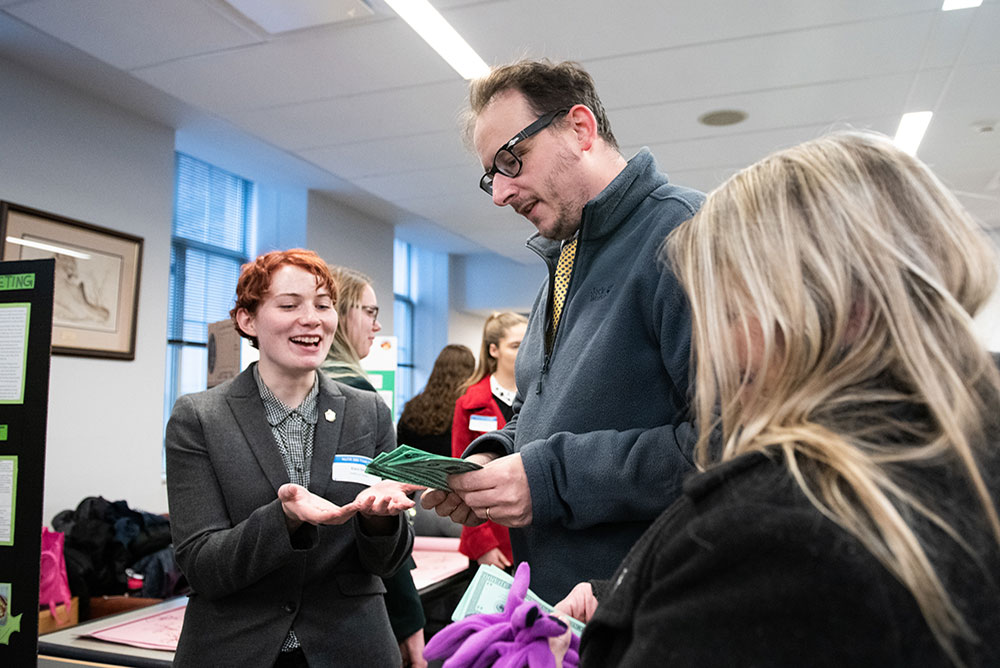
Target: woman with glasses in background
(357,326)
(357,310)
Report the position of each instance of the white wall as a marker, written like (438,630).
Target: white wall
(281,218)
(344,236)
(69,154)
(480,284)
(467,329)
(489,282)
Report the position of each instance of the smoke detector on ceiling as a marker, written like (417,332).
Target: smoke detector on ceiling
(278,17)
(723,117)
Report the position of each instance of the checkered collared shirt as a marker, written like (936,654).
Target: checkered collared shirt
(294,430)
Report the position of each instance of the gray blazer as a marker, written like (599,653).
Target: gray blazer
(251,581)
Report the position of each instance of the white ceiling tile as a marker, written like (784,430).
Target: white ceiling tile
(437,182)
(740,150)
(829,54)
(398,112)
(130,34)
(318,64)
(597,30)
(946,38)
(981,45)
(974,87)
(836,103)
(927,89)
(403,157)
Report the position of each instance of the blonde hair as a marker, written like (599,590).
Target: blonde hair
(343,359)
(494,329)
(853,274)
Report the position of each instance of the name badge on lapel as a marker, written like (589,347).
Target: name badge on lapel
(482,423)
(351,468)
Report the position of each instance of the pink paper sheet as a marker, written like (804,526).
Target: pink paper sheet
(436,559)
(157,631)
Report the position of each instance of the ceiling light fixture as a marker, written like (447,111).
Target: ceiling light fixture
(444,39)
(949,5)
(280,17)
(910,132)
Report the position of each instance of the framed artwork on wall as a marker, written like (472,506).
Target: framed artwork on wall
(96,295)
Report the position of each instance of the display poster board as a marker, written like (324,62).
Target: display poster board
(228,353)
(380,365)
(223,352)
(26,289)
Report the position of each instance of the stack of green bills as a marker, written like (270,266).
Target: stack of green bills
(417,467)
(487,593)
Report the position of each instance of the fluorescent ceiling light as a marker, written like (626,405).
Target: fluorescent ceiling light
(444,39)
(48,247)
(959,4)
(912,127)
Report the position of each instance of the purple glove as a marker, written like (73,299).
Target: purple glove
(514,638)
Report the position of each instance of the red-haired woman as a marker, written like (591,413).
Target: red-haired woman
(284,562)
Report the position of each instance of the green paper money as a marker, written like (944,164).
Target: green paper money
(418,467)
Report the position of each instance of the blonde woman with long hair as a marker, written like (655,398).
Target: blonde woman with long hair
(848,423)
(486,404)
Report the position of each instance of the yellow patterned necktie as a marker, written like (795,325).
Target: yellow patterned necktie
(564,269)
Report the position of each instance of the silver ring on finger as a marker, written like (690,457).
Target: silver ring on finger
(488,518)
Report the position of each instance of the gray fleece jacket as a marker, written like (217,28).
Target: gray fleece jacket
(600,420)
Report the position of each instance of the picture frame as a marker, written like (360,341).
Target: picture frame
(96,296)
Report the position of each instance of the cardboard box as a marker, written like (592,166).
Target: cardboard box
(102,606)
(223,352)
(47,623)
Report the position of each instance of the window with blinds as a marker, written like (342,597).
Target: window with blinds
(402,319)
(209,243)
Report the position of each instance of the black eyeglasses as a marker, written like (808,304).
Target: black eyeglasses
(506,161)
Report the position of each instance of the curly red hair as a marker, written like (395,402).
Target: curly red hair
(255,279)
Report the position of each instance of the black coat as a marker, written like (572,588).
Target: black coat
(744,571)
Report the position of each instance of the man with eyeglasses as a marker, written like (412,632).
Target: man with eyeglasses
(597,447)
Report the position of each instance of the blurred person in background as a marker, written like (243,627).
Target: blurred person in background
(486,405)
(357,309)
(427,417)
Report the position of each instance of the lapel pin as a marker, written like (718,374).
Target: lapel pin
(330,415)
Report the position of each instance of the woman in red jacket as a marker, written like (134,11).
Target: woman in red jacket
(486,406)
